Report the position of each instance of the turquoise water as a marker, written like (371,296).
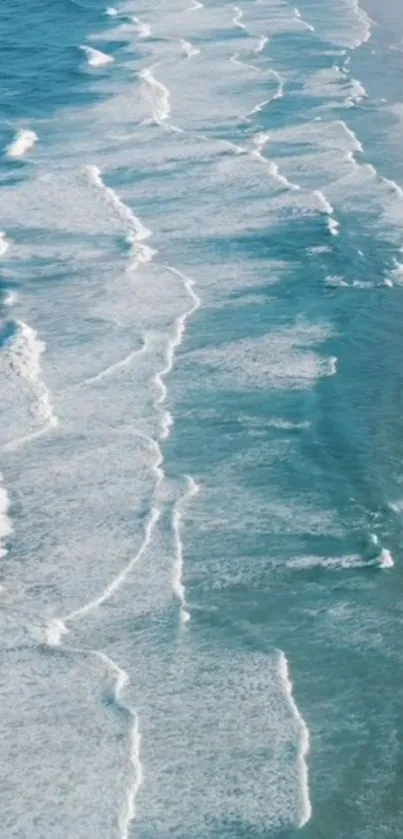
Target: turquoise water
(201,424)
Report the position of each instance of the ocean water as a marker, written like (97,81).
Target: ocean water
(201,430)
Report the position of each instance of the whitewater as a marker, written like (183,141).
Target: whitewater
(200,423)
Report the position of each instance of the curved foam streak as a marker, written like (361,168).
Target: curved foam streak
(188,48)
(136,231)
(161,104)
(6,527)
(10,298)
(4,244)
(143,29)
(22,142)
(263,40)
(333,226)
(58,627)
(96,58)
(237,19)
(277,95)
(195,5)
(118,364)
(385,559)
(297,14)
(324,205)
(366,21)
(358,147)
(235,60)
(128,814)
(177,568)
(326,208)
(24,358)
(173,343)
(121,679)
(303,746)
(259,141)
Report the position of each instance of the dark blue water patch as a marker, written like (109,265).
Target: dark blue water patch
(8,329)
(39,58)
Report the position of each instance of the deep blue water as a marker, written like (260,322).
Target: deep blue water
(201,428)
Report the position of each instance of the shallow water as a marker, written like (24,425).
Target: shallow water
(201,436)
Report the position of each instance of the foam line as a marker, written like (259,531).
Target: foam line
(177,568)
(303,746)
(259,141)
(326,208)
(22,142)
(188,48)
(143,29)
(128,814)
(324,205)
(5,522)
(136,231)
(117,366)
(96,58)
(111,11)
(237,19)
(358,147)
(235,60)
(195,5)
(4,244)
(58,627)
(298,16)
(24,354)
(277,95)
(121,680)
(263,40)
(173,343)
(333,226)
(160,96)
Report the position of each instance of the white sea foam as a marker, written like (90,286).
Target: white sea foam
(336,281)
(96,58)
(284,358)
(263,40)
(348,26)
(305,807)
(135,774)
(177,568)
(160,99)
(4,244)
(333,226)
(5,522)
(113,368)
(143,29)
(237,19)
(286,425)
(135,229)
(324,205)
(22,358)
(307,25)
(111,11)
(9,298)
(174,342)
(386,559)
(24,140)
(57,627)
(188,48)
(343,563)
(356,143)
(396,275)
(195,5)
(259,141)
(236,60)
